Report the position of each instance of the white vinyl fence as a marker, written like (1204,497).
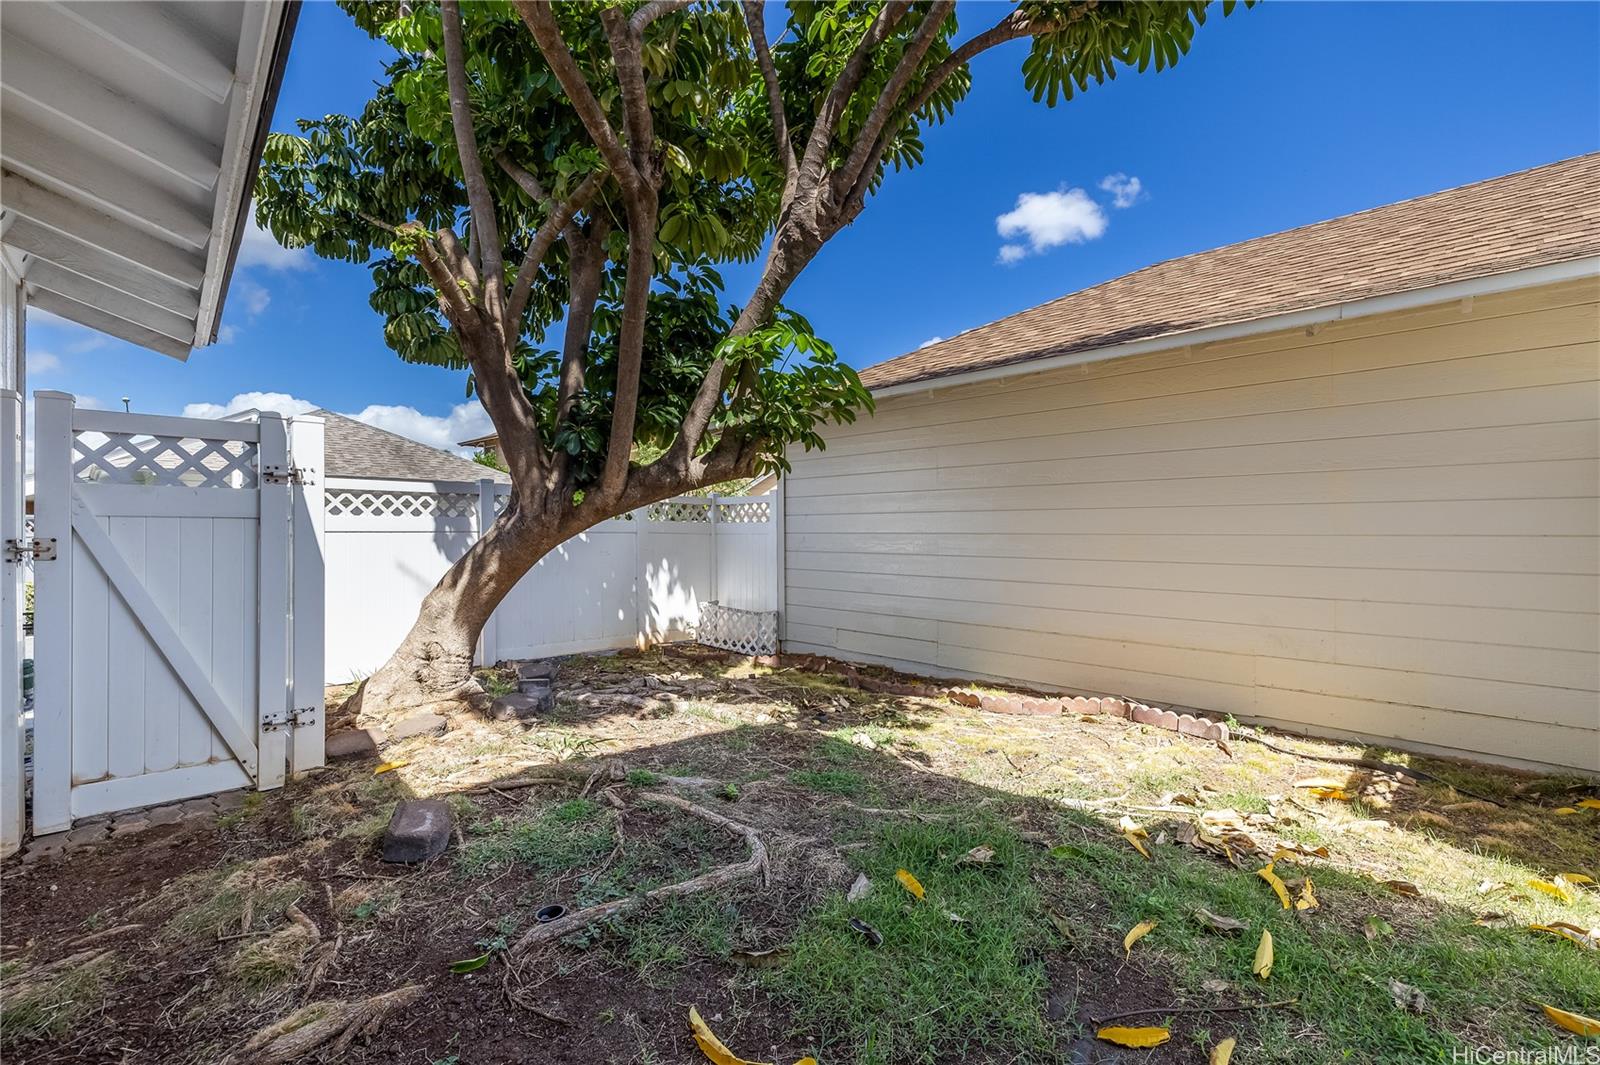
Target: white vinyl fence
(627,582)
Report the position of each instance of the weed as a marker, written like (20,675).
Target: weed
(57,1001)
(220,900)
(254,802)
(728,791)
(643,778)
(560,837)
(835,781)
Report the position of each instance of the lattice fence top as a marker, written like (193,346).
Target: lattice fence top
(750,512)
(382,504)
(137,458)
(685,510)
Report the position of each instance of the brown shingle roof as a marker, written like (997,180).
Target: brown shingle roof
(1546,215)
(356,449)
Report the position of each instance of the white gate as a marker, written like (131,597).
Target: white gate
(169,553)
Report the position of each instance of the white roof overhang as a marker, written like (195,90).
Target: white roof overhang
(129,138)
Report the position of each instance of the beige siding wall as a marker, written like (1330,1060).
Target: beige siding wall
(1386,528)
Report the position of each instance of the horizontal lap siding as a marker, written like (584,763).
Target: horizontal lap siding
(1385,528)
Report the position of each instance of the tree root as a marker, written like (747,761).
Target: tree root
(754,865)
(332,1024)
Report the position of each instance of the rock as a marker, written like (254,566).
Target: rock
(351,743)
(419,830)
(861,739)
(521,705)
(538,669)
(90,832)
(129,826)
(417,725)
(166,815)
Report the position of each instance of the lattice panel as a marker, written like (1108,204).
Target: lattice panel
(755,512)
(748,632)
(137,458)
(358,503)
(685,510)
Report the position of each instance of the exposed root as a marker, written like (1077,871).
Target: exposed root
(754,865)
(332,1025)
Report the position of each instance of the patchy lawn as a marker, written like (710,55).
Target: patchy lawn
(182,943)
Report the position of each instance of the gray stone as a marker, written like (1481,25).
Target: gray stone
(419,830)
(90,832)
(520,706)
(231,800)
(538,669)
(198,807)
(41,847)
(166,815)
(351,743)
(129,826)
(417,725)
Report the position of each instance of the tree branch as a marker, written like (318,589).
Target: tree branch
(485,226)
(586,271)
(627,52)
(558,222)
(630,353)
(541,22)
(889,98)
(654,10)
(755,20)
(814,161)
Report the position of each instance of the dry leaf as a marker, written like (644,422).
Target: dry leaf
(1299,850)
(1407,997)
(871,934)
(1335,794)
(1493,919)
(760,959)
(1218,923)
(1263,963)
(1266,873)
(1376,927)
(1135,835)
(859,889)
(1402,887)
(1222,745)
(954,918)
(1138,1038)
(1587,938)
(710,1045)
(982,854)
(1136,933)
(1572,1022)
(389,767)
(1564,811)
(1320,782)
(1063,926)
(1215,986)
(1307,901)
(1589,804)
(1222,1053)
(909,882)
(1487,887)
(1559,889)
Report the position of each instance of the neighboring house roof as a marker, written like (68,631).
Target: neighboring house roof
(356,449)
(1538,217)
(132,137)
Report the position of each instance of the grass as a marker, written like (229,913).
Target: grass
(936,990)
(834,781)
(218,901)
(55,1003)
(1482,982)
(561,836)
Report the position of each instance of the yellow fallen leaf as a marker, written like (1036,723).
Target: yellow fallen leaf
(1263,965)
(389,767)
(1575,878)
(1336,794)
(1135,835)
(1589,804)
(1558,889)
(1402,887)
(710,1045)
(1136,933)
(1564,811)
(1572,1022)
(1319,782)
(1308,897)
(1588,939)
(1138,1038)
(909,882)
(1222,1053)
(1266,873)
(806,1061)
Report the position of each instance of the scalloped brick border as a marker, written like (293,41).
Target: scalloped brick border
(1127,709)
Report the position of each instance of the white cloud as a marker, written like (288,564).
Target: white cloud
(227,335)
(277,401)
(1125,191)
(40,362)
(254,297)
(259,248)
(1049,219)
(463,422)
(74,339)
(930,342)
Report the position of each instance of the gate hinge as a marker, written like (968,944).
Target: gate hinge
(38,550)
(305,716)
(292,475)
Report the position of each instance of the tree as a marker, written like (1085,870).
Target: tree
(528,168)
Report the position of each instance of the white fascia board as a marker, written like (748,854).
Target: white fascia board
(1572,270)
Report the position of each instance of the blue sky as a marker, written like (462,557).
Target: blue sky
(1281,115)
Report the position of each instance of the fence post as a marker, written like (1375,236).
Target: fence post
(714,512)
(307,597)
(488,639)
(13,799)
(52,613)
(779,569)
(273,709)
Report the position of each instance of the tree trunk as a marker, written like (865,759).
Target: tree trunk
(432,668)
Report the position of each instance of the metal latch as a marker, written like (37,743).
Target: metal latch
(38,550)
(305,716)
(277,720)
(292,475)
